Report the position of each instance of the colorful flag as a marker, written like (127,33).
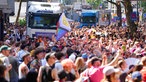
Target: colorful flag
(63,27)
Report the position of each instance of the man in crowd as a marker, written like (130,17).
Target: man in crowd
(4,53)
(23,68)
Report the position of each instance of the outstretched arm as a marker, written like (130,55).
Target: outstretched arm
(113,62)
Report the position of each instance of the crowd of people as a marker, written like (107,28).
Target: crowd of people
(96,54)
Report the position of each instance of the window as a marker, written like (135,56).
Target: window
(44,21)
(88,19)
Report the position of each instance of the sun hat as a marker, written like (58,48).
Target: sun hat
(24,54)
(109,70)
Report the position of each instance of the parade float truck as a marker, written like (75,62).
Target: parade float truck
(42,18)
(89,18)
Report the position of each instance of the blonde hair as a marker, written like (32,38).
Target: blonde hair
(79,62)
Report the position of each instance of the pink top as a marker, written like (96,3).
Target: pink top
(96,74)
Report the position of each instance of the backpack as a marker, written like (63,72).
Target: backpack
(47,74)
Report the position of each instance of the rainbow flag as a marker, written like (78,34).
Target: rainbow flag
(63,27)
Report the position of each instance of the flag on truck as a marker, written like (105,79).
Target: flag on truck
(63,27)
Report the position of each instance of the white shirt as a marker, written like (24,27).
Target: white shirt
(58,66)
(21,66)
(43,61)
(6,62)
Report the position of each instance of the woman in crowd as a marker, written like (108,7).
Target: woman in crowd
(80,64)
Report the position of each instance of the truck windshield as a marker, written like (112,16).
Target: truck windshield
(44,21)
(88,19)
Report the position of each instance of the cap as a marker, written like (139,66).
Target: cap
(4,47)
(109,70)
(48,55)
(136,75)
(24,54)
(84,55)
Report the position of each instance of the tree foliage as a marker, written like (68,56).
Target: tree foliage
(22,22)
(143,4)
(95,3)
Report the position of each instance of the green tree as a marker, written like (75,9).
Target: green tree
(95,3)
(22,22)
(143,4)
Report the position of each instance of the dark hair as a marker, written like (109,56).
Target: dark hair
(48,55)
(91,56)
(31,76)
(136,80)
(48,50)
(131,66)
(94,59)
(2,70)
(17,44)
(59,55)
(108,78)
(37,51)
(69,51)
(138,67)
(37,44)
(23,46)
